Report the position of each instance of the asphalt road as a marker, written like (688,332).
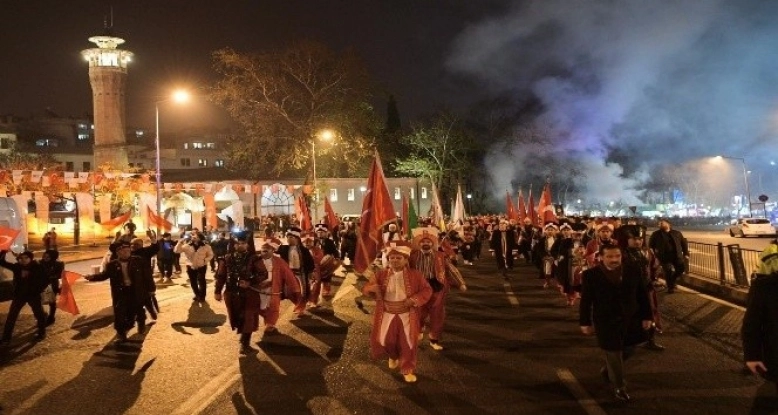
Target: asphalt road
(511,347)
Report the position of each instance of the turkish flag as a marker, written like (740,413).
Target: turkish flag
(112,223)
(331,218)
(67,301)
(7,236)
(545,207)
(303,214)
(377,212)
(531,209)
(522,208)
(509,209)
(158,220)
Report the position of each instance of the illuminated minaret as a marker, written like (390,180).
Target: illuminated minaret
(108,77)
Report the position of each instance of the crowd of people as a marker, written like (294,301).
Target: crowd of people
(611,270)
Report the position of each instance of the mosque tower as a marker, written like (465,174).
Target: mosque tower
(108,77)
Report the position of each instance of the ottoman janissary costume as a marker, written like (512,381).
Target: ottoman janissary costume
(399,292)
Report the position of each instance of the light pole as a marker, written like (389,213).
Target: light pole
(469,207)
(326,135)
(178,96)
(745,180)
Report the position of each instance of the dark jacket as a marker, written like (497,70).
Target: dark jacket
(140,275)
(615,310)
(495,243)
(53,270)
(25,286)
(668,246)
(760,324)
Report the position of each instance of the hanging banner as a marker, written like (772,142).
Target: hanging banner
(3,190)
(104,203)
(36,175)
(210,210)
(21,203)
(45,181)
(42,212)
(145,201)
(83,177)
(17,176)
(86,213)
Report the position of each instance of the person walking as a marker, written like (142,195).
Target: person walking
(50,240)
(280,282)
(503,243)
(759,334)
(301,263)
(399,292)
(29,281)
(199,254)
(220,247)
(131,285)
(672,250)
(165,258)
(614,306)
(52,268)
(238,274)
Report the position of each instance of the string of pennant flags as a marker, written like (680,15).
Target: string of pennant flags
(11,180)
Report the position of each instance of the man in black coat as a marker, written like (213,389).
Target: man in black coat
(503,242)
(131,287)
(671,249)
(29,281)
(615,307)
(760,336)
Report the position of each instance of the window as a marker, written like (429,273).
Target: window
(197,145)
(5,143)
(47,142)
(139,133)
(350,195)
(218,163)
(139,165)
(210,145)
(397,193)
(68,166)
(202,162)
(333,195)
(186,146)
(413,193)
(87,166)
(423,192)
(82,136)
(185,162)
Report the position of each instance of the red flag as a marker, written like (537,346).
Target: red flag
(7,236)
(303,214)
(510,210)
(522,208)
(112,223)
(531,209)
(545,207)
(377,211)
(158,220)
(330,217)
(66,300)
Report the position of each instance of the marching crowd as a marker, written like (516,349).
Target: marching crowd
(612,271)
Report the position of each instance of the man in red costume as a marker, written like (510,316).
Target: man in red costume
(399,292)
(281,280)
(440,274)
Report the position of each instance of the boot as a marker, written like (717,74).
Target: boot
(245,339)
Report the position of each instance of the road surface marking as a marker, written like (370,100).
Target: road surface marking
(588,404)
(204,396)
(711,298)
(511,296)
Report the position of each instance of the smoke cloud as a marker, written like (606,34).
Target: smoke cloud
(630,86)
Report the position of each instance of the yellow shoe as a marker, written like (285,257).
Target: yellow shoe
(409,378)
(436,345)
(393,363)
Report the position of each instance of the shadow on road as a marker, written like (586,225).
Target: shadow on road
(201,316)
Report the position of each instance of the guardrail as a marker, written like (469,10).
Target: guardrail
(727,264)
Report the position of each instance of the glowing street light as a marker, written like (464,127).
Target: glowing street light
(179,96)
(324,135)
(745,179)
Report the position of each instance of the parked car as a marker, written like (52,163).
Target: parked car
(743,227)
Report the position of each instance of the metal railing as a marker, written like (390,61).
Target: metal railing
(715,262)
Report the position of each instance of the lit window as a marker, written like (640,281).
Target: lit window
(197,145)
(218,163)
(186,146)
(397,193)
(139,133)
(350,195)
(47,142)
(202,162)
(413,193)
(423,192)
(210,145)
(333,195)
(83,137)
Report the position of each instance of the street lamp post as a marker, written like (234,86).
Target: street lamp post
(469,207)
(745,180)
(178,96)
(325,135)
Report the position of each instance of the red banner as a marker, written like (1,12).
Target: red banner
(157,220)
(331,219)
(67,301)
(522,208)
(545,207)
(111,224)
(510,211)
(377,211)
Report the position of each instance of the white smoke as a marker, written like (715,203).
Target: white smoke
(661,81)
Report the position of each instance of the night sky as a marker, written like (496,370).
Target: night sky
(403,42)
(626,86)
